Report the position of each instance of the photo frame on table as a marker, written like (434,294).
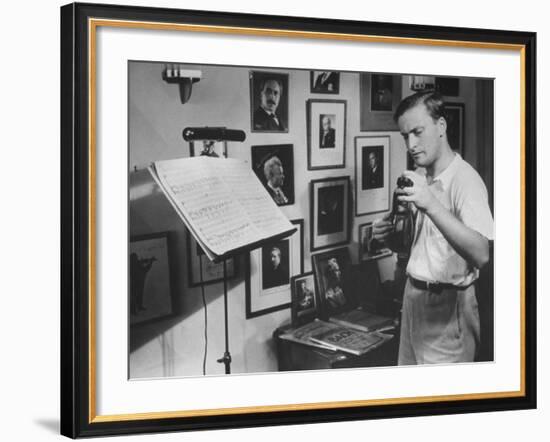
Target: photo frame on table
(88,406)
(305,301)
(269,270)
(367,252)
(372,174)
(202,271)
(379,96)
(455,126)
(326,134)
(150,273)
(330,212)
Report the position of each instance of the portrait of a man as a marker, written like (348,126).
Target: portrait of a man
(331,210)
(273,165)
(275,265)
(381,93)
(305,295)
(373,167)
(334,293)
(325,82)
(327,134)
(269,102)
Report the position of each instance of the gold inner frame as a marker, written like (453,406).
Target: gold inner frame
(93,24)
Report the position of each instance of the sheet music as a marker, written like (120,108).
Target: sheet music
(222,202)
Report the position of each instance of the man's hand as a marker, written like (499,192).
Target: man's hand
(382,228)
(419,193)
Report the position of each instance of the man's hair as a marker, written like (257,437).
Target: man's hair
(432,100)
(276,249)
(269,165)
(266,80)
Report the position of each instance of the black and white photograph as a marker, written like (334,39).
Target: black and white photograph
(372,171)
(269,101)
(304,298)
(269,270)
(369,249)
(379,95)
(326,134)
(150,290)
(212,152)
(325,82)
(330,212)
(274,167)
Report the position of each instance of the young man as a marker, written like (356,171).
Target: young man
(453,226)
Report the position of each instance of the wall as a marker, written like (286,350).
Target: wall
(221,98)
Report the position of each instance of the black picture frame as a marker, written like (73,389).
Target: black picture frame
(305,306)
(285,154)
(377,115)
(259,119)
(456,117)
(330,84)
(79,417)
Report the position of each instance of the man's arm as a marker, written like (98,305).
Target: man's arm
(468,243)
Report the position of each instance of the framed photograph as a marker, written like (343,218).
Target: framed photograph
(325,82)
(136,117)
(304,299)
(367,251)
(274,166)
(269,270)
(330,218)
(202,271)
(269,101)
(455,126)
(447,86)
(379,96)
(332,271)
(326,134)
(211,148)
(150,295)
(372,174)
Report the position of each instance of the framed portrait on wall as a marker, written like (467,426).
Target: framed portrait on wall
(379,96)
(448,86)
(211,148)
(202,270)
(269,270)
(372,174)
(455,126)
(269,110)
(274,167)
(150,292)
(324,82)
(326,134)
(330,210)
(367,249)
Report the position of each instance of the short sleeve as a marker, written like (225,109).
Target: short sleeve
(472,204)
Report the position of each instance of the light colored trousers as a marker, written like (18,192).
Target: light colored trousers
(438,327)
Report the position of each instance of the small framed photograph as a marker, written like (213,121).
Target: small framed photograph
(304,299)
(325,82)
(269,101)
(455,126)
(379,96)
(326,134)
(274,166)
(372,174)
(332,271)
(150,294)
(447,86)
(330,218)
(202,271)
(269,270)
(366,250)
(210,148)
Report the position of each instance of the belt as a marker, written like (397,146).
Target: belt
(435,287)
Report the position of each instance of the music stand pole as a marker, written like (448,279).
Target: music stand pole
(226,359)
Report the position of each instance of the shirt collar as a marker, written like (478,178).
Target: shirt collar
(446,176)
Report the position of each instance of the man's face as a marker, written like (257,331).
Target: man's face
(270,96)
(423,136)
(275,258)
(278,178)
(326,124)
(335,268)
(372,160)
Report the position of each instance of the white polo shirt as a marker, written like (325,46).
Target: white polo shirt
(460,189)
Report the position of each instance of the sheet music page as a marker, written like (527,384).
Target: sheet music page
(222,202)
